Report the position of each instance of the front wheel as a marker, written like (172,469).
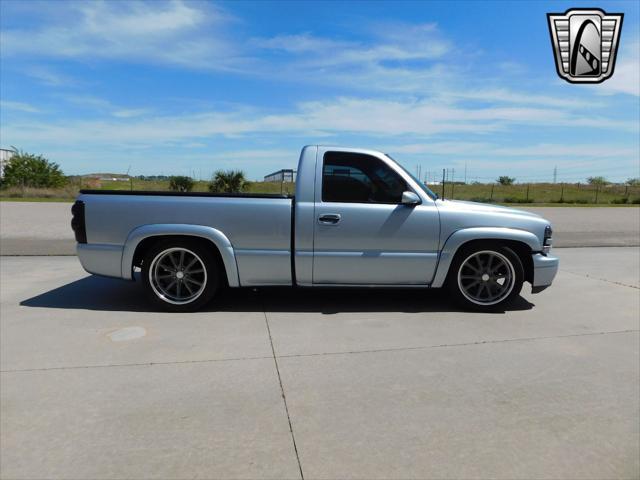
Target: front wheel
(180,275)
(485,277)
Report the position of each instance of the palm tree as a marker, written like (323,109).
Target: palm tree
(229,181)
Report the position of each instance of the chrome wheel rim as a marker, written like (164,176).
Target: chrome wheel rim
(486,277)
(177,275)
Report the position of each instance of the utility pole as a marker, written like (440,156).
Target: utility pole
(555,174)
(443,181)
(130,178)
(453,175)
(465,173)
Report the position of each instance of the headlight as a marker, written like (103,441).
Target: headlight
(546,242)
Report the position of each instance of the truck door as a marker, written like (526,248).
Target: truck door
(363,234)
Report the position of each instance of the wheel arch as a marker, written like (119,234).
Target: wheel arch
(522,242)
(141,238)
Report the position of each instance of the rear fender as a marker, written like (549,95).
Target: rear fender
(460,237)
(156,230)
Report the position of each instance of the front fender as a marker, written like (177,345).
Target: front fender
(460,237)
(216,236)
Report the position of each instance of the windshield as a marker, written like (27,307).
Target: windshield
(424,188)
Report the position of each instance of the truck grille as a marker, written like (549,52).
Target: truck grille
(77,222)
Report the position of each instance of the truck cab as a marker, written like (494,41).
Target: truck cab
(362,220)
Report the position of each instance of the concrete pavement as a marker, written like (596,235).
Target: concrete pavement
(593,226)
(275,383)
(36,228)
(29,228)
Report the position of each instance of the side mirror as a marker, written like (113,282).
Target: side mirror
(410,198)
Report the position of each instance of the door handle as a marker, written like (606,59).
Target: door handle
(329,219)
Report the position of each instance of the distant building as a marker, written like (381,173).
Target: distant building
(115,179)
(108,177)
(286,176)
(5,155)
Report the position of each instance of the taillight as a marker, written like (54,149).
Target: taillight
(77,222)
(547,242)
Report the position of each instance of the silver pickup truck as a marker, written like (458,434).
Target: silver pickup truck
(358,218)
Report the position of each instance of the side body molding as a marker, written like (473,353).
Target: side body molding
(460,237)
(216,236)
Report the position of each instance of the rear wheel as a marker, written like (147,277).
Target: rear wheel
(180,275)
(485,277)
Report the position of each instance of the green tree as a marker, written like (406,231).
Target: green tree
(505,180)
(597,180)
(180,183)
(633,181)
(29,170)
(229,181)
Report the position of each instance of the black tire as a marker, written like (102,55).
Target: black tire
(161,266)
(464,288)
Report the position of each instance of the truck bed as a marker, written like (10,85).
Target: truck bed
(258,226)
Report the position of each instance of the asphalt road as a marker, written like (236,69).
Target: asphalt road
(326,384)
(28,228)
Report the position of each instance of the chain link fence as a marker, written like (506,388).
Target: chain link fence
(576,193)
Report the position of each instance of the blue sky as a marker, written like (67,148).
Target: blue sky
(187,87)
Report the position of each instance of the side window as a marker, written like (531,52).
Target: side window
(356,178)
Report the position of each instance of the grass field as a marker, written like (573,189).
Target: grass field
(535,193)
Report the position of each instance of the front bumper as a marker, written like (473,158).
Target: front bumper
(545,268)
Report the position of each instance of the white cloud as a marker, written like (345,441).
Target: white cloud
(541,150)
(129,112)
(396,57)
(101,105)
(439,148)
(303,43)
(529,162)
(118,159)
(19,106)
(381,118)
(50,77)
(626,76)
(506,95)
(583,150)
(393,43)
(175,33)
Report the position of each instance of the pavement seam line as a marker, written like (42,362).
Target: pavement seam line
(444,345)
(295,355)
(284,397)
(586,275)
(144,364)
